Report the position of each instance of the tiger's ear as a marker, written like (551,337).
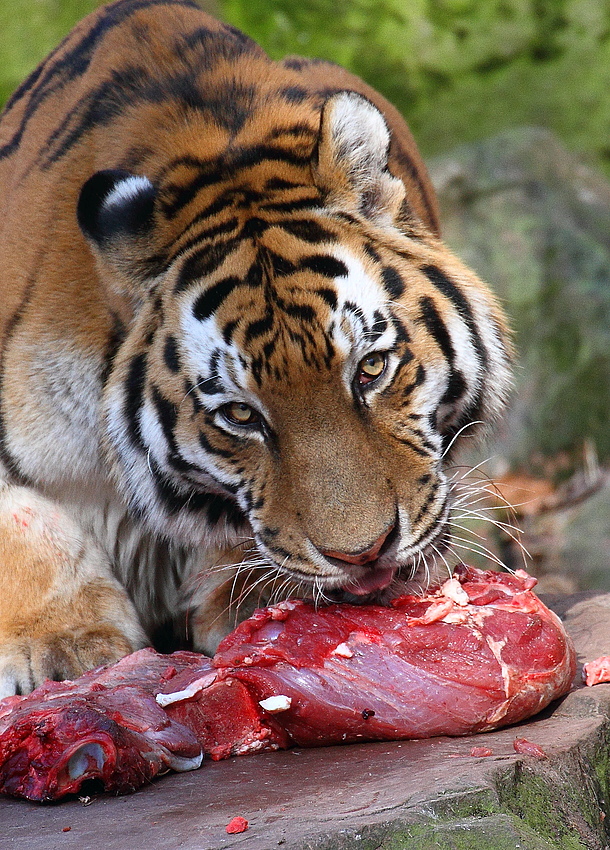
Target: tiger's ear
(352,161)
(116,213)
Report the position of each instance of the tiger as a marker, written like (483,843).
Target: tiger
(236,355)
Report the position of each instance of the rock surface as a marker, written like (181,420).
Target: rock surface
(415,795)
(534,221)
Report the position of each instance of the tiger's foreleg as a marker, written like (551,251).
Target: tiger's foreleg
(61,610)
(226,590)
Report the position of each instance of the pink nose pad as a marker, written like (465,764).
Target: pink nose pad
(363,557)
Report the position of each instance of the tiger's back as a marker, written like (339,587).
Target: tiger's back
(227,315)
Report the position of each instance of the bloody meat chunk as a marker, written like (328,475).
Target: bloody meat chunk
(482,652)
(478,653)
(106,725)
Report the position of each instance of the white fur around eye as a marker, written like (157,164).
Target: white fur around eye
(365,293)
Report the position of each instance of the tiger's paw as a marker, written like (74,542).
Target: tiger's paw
(62,611)
(26,662)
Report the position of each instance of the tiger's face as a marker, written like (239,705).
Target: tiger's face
(301,363)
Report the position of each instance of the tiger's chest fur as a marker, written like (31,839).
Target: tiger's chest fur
(228,322)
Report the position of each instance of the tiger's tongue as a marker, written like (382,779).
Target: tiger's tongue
(370,581)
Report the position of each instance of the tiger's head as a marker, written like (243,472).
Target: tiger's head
(296,352)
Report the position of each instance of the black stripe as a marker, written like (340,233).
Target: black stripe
(437,327)
(278,183)
(405,358)
(456,296)
(210,300)
(402,334)
(229,104)
(328,295)
(306,203)
(113,343)
(306,229)
(293,94)
(218,205)
(426,504)
(259,327)
(456,388)
(420,377)
(254,227)
(393,282)
(324,265)
(456,385)
(135,383)
(190,392)
(380,326)
(212,172)
(372,252)
(170,354)
(302,312)
(254,275)
(212,450)
(203,262)
(174,197)
(424,440)
(167,416)
(405,441)
(297,131)
(228,330)
(295,63)
(280,266)
(207,234)
(211,385)
(357,312)
(178,501)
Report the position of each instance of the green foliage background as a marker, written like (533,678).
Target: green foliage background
(458,69)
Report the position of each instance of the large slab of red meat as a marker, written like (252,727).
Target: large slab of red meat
(479,653)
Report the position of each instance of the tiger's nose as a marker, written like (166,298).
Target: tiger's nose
(364,556)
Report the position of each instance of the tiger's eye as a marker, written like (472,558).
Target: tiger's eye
(371,368)
(239,413)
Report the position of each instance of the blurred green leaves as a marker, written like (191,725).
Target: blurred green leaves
(29,29)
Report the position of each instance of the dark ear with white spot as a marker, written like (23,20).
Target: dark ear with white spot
(116,213)
(352,162)
(115,205)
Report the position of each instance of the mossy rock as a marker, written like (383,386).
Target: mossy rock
(534,221)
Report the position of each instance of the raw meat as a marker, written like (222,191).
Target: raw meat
(236,825)
(597,671)
(480,652)
(106,725)
(527,748)
(481,752)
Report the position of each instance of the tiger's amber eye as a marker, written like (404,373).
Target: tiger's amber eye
(239,413)
(371,368)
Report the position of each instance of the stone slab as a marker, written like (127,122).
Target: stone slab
(405,794)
